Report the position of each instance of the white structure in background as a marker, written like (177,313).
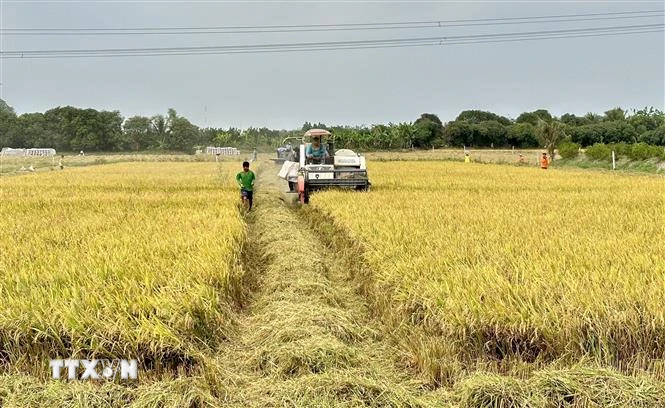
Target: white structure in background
(40,152)
(8,151)
(224,151)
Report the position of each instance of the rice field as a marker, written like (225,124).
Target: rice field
(506,263)
(484,286)
(132,260)
(16,165)
(497,156)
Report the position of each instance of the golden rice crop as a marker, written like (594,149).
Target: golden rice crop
(506,261)
(133,260)
(10,165)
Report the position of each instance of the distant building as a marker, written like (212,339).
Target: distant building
(8,151)
(40,152)
(224,151)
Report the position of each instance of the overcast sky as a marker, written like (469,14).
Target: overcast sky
(345,87)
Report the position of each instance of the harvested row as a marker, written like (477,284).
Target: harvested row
(572,387)
(22,391)
(305,340)
(569,387)
(504,264)
(119,261)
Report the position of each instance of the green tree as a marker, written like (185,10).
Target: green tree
(5,108)
(222,139)
(593,118)
(615,114)
(647,119)
(380,136)
(495,133)
(459,133)
(550,134)
(477,116)
(587,135)
(654,137)
(62,123)
(109,130)
(174,132)
(572,120)
(429,131)
(8,136)
(70,128)
(307,126)
(183,134)
(406,132)
(137,132)
(35,131)
(159,129)
(522,135)
(534,117)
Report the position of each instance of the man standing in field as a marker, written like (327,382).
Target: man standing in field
(544,162)
(245,180)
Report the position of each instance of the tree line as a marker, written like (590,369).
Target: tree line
(73,129)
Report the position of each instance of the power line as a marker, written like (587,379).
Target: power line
(213,52)
(361,24)
(338,48)
(335,43)
(334,27)
(438,25)
(341,45)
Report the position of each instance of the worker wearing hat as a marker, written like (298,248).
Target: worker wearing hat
(544,162)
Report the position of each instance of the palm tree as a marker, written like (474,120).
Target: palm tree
(160,130)
(550,133)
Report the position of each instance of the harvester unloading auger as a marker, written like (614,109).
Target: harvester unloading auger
(342,168)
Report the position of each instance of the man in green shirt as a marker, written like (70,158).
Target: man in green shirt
(245,180)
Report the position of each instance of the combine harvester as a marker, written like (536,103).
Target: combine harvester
(343,168)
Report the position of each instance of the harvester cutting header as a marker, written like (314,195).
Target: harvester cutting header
(315,166)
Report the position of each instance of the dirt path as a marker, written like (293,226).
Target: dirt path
(305,338)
